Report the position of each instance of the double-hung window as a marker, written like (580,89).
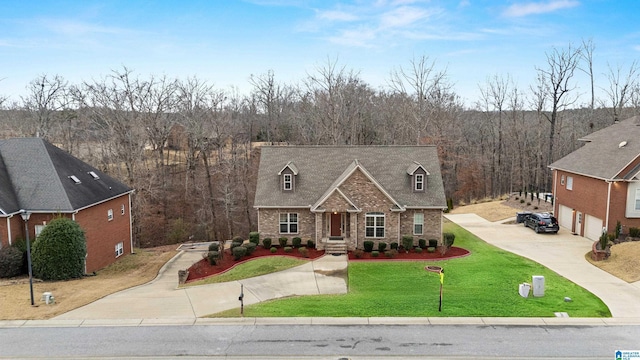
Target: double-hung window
(418,223)
(119,249)
(110,214)
(419,182)
(287,182)
(288,223)
(374,225)
(569,182)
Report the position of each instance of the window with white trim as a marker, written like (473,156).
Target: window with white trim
(374,225)
(288,223)
(562,180)
(637,200)
(287,182)
(110,214)
(569,182)
(122,209)
(38,229)
(419,182)
(418,223)
(119,249)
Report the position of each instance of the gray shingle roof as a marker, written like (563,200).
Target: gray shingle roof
(320,168)
(36,177)
(602,156)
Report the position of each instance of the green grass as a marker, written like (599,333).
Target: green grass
(482,284)
(257,267)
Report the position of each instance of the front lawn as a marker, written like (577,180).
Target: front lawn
(482,284)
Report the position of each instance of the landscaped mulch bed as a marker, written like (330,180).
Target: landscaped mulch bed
(453,252)
(202,269)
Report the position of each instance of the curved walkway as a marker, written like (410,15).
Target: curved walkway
(161,298)
(562,253)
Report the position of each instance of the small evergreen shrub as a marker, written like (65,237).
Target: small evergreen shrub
(358,253)
(283,241)
(266,243)
(238,252)
(214,246)
(422,243)
(235,244)
(431,249)
(251,247)
(528,203)
(418,250)
(375,253)
(212,257)
(10,262)
(433,243)
(394,246)
(288,249)
(304,252)
(368,245)
(407,242)
(448,239)
(273,249)
(521,201)
(391,253)
(634,232)
(59,251)
(254,237)
(238,239)
(296,242)
(382,246)
(311,244)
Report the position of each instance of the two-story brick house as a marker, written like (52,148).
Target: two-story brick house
(45,181)
(598,184)
(350,194)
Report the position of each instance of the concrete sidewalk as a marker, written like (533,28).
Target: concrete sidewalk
(563,253)
(161,298)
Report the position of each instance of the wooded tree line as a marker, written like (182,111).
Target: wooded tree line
(190,148)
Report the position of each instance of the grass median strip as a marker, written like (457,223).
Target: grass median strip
(253,268)
(483,284)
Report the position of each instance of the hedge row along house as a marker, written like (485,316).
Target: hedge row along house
(45,181)
(598,184)
(341,196)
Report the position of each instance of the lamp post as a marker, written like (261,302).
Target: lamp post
(25,217)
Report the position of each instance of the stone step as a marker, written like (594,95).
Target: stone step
(336,248)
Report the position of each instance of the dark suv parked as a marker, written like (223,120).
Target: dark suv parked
(542,222)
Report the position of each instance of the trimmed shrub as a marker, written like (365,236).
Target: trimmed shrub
(375,253)
(235,244)
(273,249)
(59,251)
(391,253)
(422,243)
(283,241)
(266,243)
(394,246)
(634,232)
(433,243)
(213,256)
(368,245)
(214,246)
(311,244)
(238,239)
(448,239)
(418,250)
(251,247)
(288,249)
(431,249)
(304,252)
(296,242)
(407,242)
(238,252)
(254,237)
(358,253)
(382,246)
(10,262)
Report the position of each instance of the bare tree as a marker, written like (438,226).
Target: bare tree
(621,87)
(588,47)
(45,99)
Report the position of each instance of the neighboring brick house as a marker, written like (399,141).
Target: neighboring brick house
(349,194)
(599,184)
(45,181)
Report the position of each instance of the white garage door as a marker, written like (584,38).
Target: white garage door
(592,227)
(565,217)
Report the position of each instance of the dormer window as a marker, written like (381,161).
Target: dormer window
(287,182)
(419,183)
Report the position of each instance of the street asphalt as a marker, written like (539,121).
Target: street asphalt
(162,302)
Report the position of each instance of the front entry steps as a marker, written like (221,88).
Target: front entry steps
(336,247)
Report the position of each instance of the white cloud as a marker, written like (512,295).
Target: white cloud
(532,8)
(336,15)
(403,16)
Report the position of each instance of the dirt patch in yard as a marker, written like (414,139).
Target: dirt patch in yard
(623,263)
(504,208)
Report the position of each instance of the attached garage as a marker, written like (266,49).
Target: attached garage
(565,217)
(592,227)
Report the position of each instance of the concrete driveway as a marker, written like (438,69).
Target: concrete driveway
(562,253)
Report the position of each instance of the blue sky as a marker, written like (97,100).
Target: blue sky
(224,42)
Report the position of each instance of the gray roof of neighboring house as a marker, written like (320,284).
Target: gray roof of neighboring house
(603,155)
(36,176)
(320,168)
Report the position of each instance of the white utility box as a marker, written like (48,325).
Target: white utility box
(538,285)
(524,289)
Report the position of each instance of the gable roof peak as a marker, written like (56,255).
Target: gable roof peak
(291,166)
